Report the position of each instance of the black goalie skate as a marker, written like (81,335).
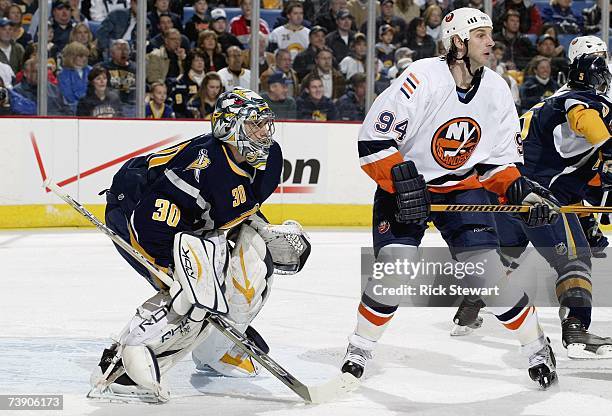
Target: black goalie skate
(466,319)
(543,367)
(355,360)
(581,344)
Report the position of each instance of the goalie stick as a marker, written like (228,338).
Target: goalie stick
(313,394)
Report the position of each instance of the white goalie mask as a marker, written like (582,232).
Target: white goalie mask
(586,45)
(460,22)
(243,119)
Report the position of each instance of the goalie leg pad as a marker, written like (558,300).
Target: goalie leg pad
(249,276)
(200,264)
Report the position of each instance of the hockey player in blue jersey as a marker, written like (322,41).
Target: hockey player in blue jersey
(564,137)
(193,210)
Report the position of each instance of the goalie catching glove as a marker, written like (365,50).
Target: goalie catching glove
(545,209)
(288,244)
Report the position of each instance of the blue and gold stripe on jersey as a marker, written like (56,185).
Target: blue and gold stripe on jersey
(409,85)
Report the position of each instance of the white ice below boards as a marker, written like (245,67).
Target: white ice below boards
(66,292)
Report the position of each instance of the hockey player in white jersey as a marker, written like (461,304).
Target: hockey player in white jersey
(446,131)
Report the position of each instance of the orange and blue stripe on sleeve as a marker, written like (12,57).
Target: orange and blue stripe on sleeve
(377,157)
(499,179)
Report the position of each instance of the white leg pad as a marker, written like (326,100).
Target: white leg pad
(141,365)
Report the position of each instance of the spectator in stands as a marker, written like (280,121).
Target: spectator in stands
(385,49)
(313,105)
(549,48)
(165,64)
(162,7)
(304,62)
(529,13)
(277,96)
(355,61)
(328,16)
(519,48)
(334,83)
(199,21)
(11,53)
(52,57)
(99,101)
(219,25)
(122,74)
(62,23)
(417,39)
(474,4)
(28,7)
(560,13)
(398,68)
(100,9)
(406,9)
(240,26)
(592,18)
(75,12)
(157,107)
(292,36)
(387,17)
(4,6)
(214,60)
(351,106)
(19,33)
(5,101)
(340,39)
(73,76)
(234,75)
(433,18)
(266,59)
(188,84)
(119,24)
(308,7)
(282,65)
(24,96)
(165,24)
(538,84)
(81,33)
(359,10)
(6,75)
(203,104)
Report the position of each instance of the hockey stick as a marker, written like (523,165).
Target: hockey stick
(604,199)
(566,209)
(314,394)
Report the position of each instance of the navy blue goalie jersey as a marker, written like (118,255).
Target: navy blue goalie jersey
(197,187)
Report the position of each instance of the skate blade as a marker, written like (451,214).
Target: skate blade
(332,389)
(579,352)
(461,330)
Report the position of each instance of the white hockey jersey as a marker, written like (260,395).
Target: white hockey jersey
(295,41)
(455,143)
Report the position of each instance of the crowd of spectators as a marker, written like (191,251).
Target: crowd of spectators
(312,59)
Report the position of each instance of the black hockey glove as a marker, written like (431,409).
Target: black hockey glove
(605,171)
(544,207)
(412,197)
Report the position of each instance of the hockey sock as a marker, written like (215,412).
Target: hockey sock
(522,320)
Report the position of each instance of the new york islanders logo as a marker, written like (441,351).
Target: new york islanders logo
(454,142)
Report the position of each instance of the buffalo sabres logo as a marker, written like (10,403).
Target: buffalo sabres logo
(455,141)
(202,162)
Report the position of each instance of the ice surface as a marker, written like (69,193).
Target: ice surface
(66,292)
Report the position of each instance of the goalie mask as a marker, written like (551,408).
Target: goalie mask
(243,119)
(588,72)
